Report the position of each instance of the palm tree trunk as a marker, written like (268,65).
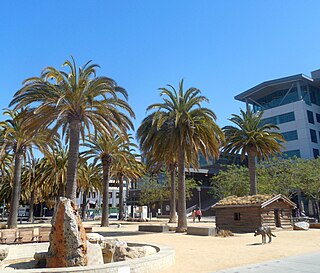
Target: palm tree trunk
(106,161)
(121,197)
(84,205)
(16,191)
(252,173)
(73,156)
(173,214)
(182,210)
(31,209)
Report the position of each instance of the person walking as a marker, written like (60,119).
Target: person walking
(199,214)
(194,213)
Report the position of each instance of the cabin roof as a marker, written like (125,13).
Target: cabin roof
(258,200)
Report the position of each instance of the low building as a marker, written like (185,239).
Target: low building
(245,214)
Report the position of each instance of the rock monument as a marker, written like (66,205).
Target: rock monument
(68,239)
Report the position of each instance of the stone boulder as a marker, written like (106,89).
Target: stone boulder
(124,253)
(109,248)
(4,251)
(95,237)
(94,254)
(301,225)
(41,259)
(68,239)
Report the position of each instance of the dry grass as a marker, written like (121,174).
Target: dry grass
(224,233)
(244,200)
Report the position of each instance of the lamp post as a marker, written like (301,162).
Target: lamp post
(199,191)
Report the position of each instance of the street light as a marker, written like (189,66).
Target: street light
(199,191)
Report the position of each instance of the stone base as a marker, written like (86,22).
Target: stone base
(153,228)
(201,231)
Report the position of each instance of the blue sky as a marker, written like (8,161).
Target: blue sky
(220,47)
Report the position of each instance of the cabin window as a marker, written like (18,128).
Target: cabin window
(236,216)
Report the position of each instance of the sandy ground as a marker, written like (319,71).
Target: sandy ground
(208,254)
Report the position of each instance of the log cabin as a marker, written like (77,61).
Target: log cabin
(245,214)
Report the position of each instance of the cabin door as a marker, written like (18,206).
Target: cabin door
(277,218)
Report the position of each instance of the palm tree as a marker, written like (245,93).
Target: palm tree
(128,170)
(77,101)
(54,173)
(189,129)
(19,138)
(107,149)
(31,177)
(253,138)
(155,144)
(89,178)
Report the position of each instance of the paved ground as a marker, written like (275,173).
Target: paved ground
(309,263)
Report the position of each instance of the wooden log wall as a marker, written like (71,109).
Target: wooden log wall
(253,217)
(249,219)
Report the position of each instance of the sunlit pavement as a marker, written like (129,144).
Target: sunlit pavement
(307,263)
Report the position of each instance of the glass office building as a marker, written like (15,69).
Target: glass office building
(293,104)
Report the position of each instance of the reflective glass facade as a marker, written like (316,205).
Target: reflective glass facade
(283,118)
(310,94)
(276,99)
(291,135)
(313,135)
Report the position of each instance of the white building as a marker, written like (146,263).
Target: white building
(94,197)
(293,104)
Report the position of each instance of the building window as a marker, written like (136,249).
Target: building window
(287,117)
(284,118)
(236,216)
(292,153)
(110,194)
(291,135)
(315,153)
(313,135)
(89,194)
(117,195)
(310,117)
(94,194)
(318,117)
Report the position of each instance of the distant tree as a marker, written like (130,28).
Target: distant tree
(278,176)
(108,149)
(19,138)
(232,181)
(251,137)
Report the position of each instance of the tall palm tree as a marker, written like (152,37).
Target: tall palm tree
(107,149)
(155,145)
(19,138)
(77,101)
(128,170)
(253,138)
(190,129)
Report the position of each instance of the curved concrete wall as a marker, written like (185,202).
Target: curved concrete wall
(163,259)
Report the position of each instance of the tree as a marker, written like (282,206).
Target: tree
(77,101)
(159,155)
(190,129)
(252,138)
(232,181)
(152,191)
(279,176)
(128,170)
(89,178)
(19,137)
(107,149)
